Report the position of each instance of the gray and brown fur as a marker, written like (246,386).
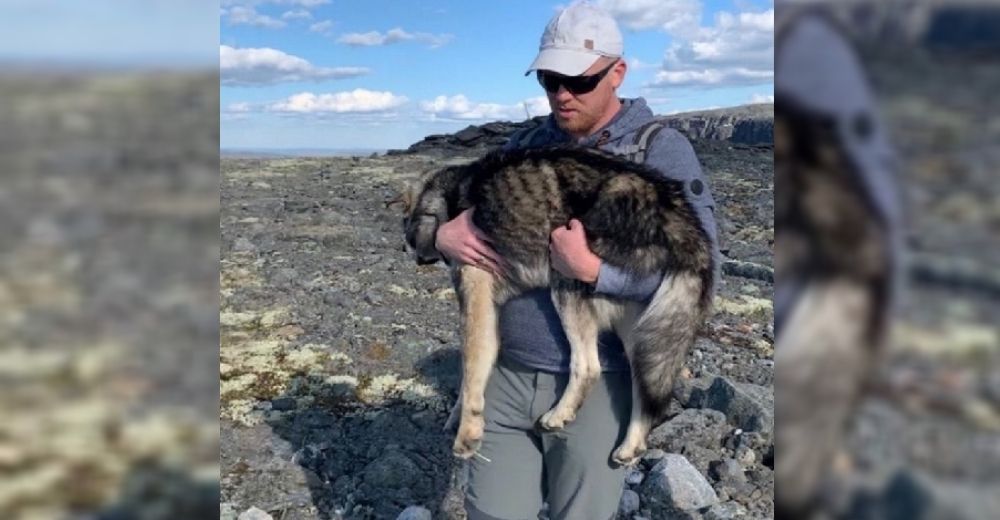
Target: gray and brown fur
(634,219)
(831,243)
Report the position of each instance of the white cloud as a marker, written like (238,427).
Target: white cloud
(746,39)
(299,3)
(322,27)
(247,15)
(657,100)
(692,109)
(265,66)
(396,35)
(737,50)
(237,108)
(712,77)
(354,101)
(461,108)
(762,98)
(677,17)
(303,3)
(637,64)
(298,14)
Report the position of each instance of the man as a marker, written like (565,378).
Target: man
(580,66)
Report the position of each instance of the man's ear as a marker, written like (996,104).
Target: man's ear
(618,73)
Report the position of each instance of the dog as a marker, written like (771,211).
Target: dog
(634,219)
(833,257)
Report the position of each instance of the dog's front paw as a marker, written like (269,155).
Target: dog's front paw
(628,454)
(469,439)
(555,419)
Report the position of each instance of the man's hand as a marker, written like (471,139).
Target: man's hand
(461,241)
(570,254)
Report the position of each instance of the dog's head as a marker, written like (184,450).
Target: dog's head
(424,209)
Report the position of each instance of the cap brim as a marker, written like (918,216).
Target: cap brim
(562,61)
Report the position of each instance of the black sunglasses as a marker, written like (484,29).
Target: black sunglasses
(551,81)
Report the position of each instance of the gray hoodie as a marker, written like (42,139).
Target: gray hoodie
(530,330)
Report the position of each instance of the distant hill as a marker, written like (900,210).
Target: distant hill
(744,124)
(962,26)
(271,153)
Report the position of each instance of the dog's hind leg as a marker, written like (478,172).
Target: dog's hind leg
(657,348)
(639,425)
(580,324)
(624,326)
(479,352)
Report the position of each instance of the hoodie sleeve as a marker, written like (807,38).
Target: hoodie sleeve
(613,281)
(672,156)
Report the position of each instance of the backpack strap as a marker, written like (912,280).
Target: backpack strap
(643,137)
(525,140)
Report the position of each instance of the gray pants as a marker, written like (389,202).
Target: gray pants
(570,469)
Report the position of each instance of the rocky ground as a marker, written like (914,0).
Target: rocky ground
(339,355)
(926,441)
(108,295)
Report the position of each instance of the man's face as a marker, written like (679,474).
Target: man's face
(581,114)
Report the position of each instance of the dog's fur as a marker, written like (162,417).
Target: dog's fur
(634,219)
(831,243)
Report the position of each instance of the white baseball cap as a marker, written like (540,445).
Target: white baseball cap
(575,38)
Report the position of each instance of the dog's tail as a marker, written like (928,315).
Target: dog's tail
(662,336)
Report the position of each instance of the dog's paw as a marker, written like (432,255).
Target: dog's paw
(555,419)
(626,455)
(468,440)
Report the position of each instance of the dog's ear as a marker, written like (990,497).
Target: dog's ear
(409,197)
(397,200)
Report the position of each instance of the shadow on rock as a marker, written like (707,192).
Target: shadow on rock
(443,370)
(154,492)
(362,460)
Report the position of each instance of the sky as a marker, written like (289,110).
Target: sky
(382,74)
(109,33)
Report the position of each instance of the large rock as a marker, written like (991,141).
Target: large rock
(745,124)
(255,514)
(702,427)
(753,131)
(392,470)
(415,513)
(675,486)
(727,511)
(749,407)
(628,504)
(912,495)
(226,512)
(473,140)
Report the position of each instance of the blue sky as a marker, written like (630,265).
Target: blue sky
(130,33)
(384,73)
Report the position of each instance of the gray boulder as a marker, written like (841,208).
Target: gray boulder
(726,511)
(243,244)
(415,513)
(628,504)
(392,470)
(748,407)
(255,514)
(705,428)
(675,486)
